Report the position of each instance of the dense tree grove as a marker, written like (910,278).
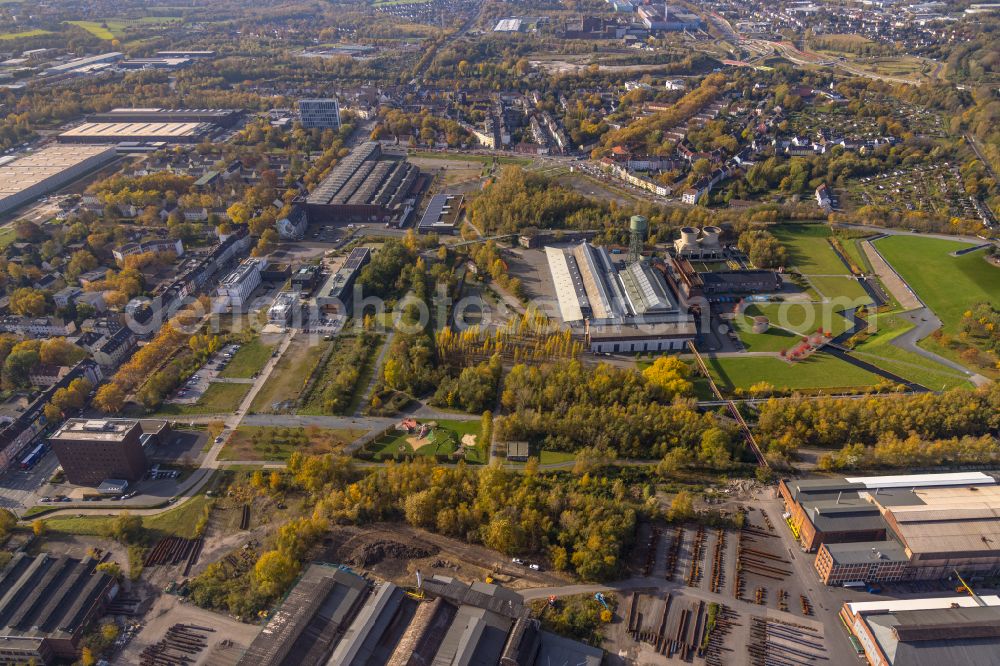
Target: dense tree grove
(786,425)
(473,390)
(584,527)
(913,451)
(762,248)
(567,406)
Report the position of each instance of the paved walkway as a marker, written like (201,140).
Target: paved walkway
(376,372)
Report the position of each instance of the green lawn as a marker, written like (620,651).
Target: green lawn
(251,357)
(286,381)
(219,398)
(447,436)
(7,236)
(115,28)
(274,443)
(819,371)
(948,285)
(801,318)
(179,521)
(38,32)
(95,28)
(460,157)
(809,251)
(879,350)
(840,288)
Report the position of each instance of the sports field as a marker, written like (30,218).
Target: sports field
(947,284)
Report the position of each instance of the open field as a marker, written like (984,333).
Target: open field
(273,443)
(251,357)
(219,398)
(461,157)
(5,36)
(839,287)
(445,440)
(819,371)
(809,251)
(179,521)
(115,28)
(289,376)
(948,285)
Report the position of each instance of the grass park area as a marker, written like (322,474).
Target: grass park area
(179,521)
(947,284)
(286,381)
(7,236)
(276,443)
(251,357)
(819,371)
(444,439)
(809,251)
(37,32)
(878,350)
(789,320)
(219,398)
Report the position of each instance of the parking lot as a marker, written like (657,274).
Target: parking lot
(191,391)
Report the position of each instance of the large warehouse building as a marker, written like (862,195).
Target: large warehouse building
(334,617)
(118,132)
(365,186)
(220,117)
(926,632)
(905,527)
(46,170)
(617,308)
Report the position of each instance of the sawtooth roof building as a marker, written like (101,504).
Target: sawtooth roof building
(616,307)
(335,617)
(365,186)
(46,604)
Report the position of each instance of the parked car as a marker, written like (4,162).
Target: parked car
(517,560)
(534,567)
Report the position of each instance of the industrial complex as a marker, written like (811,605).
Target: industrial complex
(618,306)
(150,125)
(442,214)
(43,171)
(47,603)
(891,528)
(335,617)
(926,632)
(365,186)
(335,295)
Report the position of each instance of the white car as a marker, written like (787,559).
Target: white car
(534,567)
(517,560)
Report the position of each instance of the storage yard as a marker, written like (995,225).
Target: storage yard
(729,596)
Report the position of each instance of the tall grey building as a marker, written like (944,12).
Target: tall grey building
(321,113)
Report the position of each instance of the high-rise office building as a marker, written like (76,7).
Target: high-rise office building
(321,113)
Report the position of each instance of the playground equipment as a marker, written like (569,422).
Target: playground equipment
(606,614)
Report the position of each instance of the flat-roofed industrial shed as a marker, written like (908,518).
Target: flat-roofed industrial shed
(173,132)
(38,173)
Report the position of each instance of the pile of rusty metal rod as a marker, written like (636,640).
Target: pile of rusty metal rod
(182,645)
